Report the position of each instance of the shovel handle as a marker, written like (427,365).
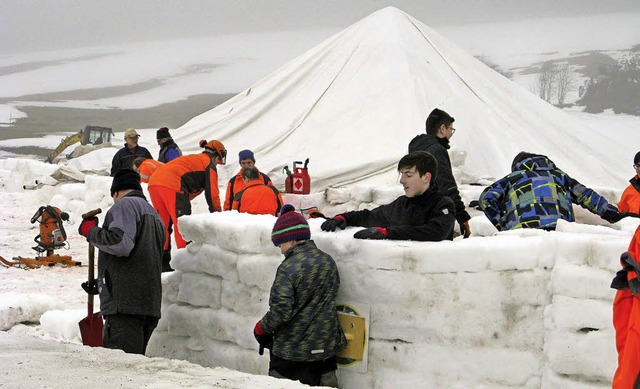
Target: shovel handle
(91,214)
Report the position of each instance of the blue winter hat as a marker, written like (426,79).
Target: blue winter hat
(290,226)
(246,154)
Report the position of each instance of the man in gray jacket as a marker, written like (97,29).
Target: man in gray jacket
(130,241)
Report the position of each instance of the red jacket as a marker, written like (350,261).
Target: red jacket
(258,199)
(236,184)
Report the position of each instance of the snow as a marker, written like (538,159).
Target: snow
(502,310)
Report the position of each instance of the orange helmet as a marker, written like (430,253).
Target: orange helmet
(215,147)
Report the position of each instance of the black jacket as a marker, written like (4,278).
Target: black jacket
(130,241)
(124,158)
(428,217)
(444,179)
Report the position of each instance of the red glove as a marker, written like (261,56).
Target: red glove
(465,230)
(257,329)
(371,233)
(86,225)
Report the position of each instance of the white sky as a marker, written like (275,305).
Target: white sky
(31,25)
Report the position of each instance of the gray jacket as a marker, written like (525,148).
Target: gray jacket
(130,241)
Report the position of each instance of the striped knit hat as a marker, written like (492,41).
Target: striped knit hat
(290,226)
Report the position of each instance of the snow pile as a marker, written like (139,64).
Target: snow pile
(522,309)
(24,308)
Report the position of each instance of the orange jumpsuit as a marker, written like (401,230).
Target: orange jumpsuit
(175,184)
(236,184)
(147,168)
(258,199)
(626,307)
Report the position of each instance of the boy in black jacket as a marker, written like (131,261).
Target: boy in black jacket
(423,213)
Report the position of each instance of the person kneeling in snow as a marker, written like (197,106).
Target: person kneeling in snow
(131,242)
(301,327)
(422,214)
(536,194)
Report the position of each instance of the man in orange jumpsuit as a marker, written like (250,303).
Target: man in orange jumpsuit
(173,185)
(145,167)
(236,184)
(626,306)
(256,197)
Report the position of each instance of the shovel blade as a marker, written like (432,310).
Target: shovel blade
(91,330)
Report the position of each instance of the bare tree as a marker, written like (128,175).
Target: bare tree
(565,82)
(545,82)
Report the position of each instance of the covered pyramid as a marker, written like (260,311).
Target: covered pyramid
(352,104)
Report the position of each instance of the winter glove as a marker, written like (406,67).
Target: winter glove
(465,230)
(371,233)
(475,204)
(612,215)
(91,287)
(335,222)
(86,225)
(264,339)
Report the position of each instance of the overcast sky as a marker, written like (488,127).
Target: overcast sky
(36,25)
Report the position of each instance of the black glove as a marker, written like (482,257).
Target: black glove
(612,215)
(371,233)
(475,204)
(465,230)
(265,340)
(91,287)
(333,223)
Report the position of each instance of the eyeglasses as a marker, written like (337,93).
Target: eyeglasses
(453,130)
(636,166)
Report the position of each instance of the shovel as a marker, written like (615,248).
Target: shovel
(91,326)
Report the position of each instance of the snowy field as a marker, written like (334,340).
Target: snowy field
(48,303)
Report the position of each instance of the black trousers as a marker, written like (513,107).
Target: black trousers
(129,333)
(310,373)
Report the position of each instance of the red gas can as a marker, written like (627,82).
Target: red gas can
(300,180)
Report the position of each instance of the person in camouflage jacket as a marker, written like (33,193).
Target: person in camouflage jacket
(536,194)
(302,316)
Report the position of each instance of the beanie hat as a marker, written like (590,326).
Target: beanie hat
(636,159)
(246,154)
(290,226)
(163,133)
(125,179)
(436,118)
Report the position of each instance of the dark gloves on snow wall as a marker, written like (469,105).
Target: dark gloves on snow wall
(612,215)
(371,233)
(333,223)
(86,225)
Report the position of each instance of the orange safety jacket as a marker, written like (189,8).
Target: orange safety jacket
(258,199)
(626,305)
(190,175)
(236,184)
(147,168)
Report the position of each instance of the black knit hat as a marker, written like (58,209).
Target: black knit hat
(125,179)
(636,159)
(436,118)
(163,133)
(290,226)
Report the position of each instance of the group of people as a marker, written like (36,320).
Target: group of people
(301,328)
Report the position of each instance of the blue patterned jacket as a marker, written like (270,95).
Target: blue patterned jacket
(535,195)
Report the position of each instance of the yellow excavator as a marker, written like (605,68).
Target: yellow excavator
(91,134)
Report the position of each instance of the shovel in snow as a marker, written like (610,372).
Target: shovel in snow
(91,326)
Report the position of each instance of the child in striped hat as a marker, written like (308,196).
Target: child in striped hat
(301,328)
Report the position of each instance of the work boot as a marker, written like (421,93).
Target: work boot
(166,258)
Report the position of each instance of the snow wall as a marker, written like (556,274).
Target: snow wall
(521,309)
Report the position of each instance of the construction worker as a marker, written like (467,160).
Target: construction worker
(256,198)
(145,167)
(169,150)
(235,185)
(173,185)
(123,159)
